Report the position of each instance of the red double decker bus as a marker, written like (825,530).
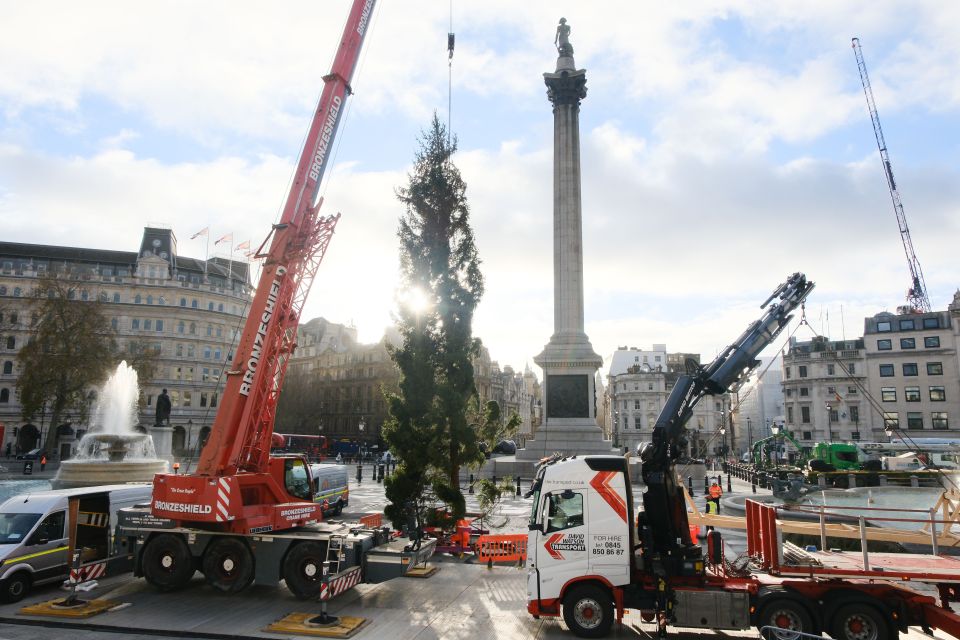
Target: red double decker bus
(314,447)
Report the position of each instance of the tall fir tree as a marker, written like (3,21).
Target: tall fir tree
(428,427)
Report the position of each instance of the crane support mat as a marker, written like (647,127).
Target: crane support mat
(57,608)
(299,623)
(421,572)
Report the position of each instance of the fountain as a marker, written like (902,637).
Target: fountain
(113,452)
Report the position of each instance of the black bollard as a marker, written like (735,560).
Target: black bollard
(379,473)
(706,483)
(690,485)
(729,485)
(518,485)
(494,479)
(470,488)
(359,473)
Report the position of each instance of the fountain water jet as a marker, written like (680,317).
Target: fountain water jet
(113,452)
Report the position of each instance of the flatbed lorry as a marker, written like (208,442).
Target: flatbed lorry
(592,553)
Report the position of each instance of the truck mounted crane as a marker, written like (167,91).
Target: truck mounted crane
(244,515)
(588,562)
(917,293)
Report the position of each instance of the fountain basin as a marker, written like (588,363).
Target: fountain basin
(90,473)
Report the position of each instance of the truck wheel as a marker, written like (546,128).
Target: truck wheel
(228,565)
(15,587)
(588,611)
(167,562)
(859,621)
(785,616)
(303,569)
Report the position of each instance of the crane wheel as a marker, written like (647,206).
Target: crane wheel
(228,565)
(785,615)
(859,621)
(167,562)
(588,611)
(303,569)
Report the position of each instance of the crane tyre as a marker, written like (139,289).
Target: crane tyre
(14,588)
(787,616)
(228,565)
(303,569)
(167,562)
(588,611)
(859,621)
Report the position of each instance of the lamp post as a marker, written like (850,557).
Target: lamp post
(775,430)
(749,435)
(616,428)
(360,427)
(829,422)
(320,442)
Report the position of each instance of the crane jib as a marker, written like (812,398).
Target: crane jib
(254,360)
(329,126)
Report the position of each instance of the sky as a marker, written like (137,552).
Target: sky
(725,145)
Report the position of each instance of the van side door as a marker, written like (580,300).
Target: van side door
(48,544)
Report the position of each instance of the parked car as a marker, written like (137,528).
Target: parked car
(33,454)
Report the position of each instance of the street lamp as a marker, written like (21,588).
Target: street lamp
(775,428)
(829,422)
(361,427)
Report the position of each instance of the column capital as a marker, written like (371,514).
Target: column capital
(566,87)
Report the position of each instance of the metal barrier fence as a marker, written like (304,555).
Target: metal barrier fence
(372,520)
(502,548)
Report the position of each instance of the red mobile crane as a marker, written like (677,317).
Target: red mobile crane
(238,487)
(917,293)
(245,516)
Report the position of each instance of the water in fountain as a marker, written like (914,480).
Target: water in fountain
(113,451)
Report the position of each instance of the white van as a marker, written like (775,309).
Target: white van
(330,487)
(39,532)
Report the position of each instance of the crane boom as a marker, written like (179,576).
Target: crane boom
(917,294)
(237,483)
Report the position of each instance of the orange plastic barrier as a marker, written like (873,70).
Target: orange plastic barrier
(372,520)
(505,548)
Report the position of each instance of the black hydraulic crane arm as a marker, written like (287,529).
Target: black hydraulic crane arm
(666,515)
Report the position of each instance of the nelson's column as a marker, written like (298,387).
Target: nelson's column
(568,361)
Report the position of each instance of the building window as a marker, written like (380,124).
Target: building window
(183,302)
(649,385)
(149,299)
(934,368)
(210,306)
(220,307)
(884,345)
(891,420)
(180,349)
(803,371)
(851,391)
(137,299)
(11,342)
(804,391)
(8,367)
(831,391)
(187,398)
(194,304)
(213,399)
(908,343)
(4,395)
(886,371)
(805,415)
(851,368)
(834,415)
(938,420)
(914,420)
(790,415)
(931,323)
(182,327)
(830,369)
(854,414)
(114,323)
(636,422)
(116,297)
(807,435)
(786,370)
(147,324)
(636,405)
(788,392)
(135,324)
(193,328)
(906,325)
(937,394)
(888,394)
(909,368)
(883,327)
(159,325)
(931,342)
(912,394)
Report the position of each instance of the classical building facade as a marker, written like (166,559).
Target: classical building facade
(342,383)
(824,388)
(638,385)
(187,311)
(914,372)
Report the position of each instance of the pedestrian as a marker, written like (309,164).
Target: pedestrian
(711,510)
(43,461)
(339,458)
(715,493)
(9,446)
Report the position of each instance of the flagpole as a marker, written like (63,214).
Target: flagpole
(206,257)
(230,263)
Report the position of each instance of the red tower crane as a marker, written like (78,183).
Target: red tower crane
(917,293)
(238,486)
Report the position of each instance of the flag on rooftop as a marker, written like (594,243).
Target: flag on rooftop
(243,245)
(225,238)
(203,232)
